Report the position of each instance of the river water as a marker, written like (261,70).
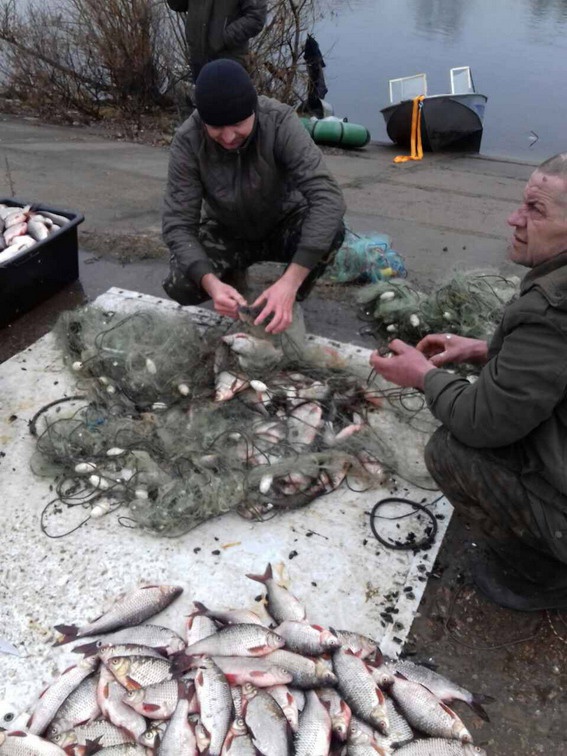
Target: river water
(517,50)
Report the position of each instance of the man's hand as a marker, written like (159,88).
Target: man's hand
(444,348)
(226,299)
(278,299)
(405,366)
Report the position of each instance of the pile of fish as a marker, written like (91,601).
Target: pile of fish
(241,683)
(22,227)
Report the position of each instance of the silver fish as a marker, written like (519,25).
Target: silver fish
(13,250)
(104,732)
(339,710)
(445,690)
(303,425)
(307,639)
(151,738)
(198,626)
(19,743)
(266,722)
(111,698)
(307,673)
(426,713)
(37,230)
(313,737)
(60,220)
(139,671)
(232,640)
(156,701)
(57,693)
(230,616)
(132,609)
(282,695)
(155,636)
(238,742)
(124,749)
(359,689)
(80,707)
(109,650)
(259,671)
(215,702)
(253,353)
(363,742)
(400,730)
(361,645)
(179,736)
(282,605)
(228,384)
(237,700)
(440,747)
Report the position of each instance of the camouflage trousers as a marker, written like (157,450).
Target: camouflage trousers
(485,487)
(231,257)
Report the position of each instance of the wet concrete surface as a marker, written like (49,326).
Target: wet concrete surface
(445,214)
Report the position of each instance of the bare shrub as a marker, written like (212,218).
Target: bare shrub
(127,57)
(276,63)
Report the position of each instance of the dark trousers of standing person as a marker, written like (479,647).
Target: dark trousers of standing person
(231,257)
(485,487)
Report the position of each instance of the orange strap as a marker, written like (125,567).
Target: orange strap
(416,147)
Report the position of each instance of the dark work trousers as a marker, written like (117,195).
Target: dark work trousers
(485,487)
(231,257)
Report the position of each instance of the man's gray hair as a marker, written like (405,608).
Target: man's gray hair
(555,166)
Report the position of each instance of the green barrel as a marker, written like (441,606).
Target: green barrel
(337,133)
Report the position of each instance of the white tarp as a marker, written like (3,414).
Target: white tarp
(346,579)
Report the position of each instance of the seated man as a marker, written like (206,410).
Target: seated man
(247,184)
(500,455)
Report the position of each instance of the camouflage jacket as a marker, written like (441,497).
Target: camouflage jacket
(520,397)
(278,171)
(220,28)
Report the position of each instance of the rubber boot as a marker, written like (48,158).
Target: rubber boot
(508,588)
(534,566)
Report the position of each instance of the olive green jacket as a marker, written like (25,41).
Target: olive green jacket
(278,171)
(220,28)
(520,397)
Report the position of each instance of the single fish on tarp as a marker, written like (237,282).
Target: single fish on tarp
(282,605)
(313,737)
(161,639)
(19,743)
(426,713)
(57,693)
(215,702)
(266,721)
(440,747)
(131,609)
(446,690)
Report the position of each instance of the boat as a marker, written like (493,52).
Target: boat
(452,121)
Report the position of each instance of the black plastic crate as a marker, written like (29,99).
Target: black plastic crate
(40,271)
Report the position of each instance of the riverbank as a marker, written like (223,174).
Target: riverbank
(444,213)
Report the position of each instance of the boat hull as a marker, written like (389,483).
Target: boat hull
(448,122)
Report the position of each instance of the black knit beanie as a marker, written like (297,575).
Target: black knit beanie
(224,93)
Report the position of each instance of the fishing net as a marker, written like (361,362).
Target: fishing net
(469,304)
(174,424)
(365,259)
